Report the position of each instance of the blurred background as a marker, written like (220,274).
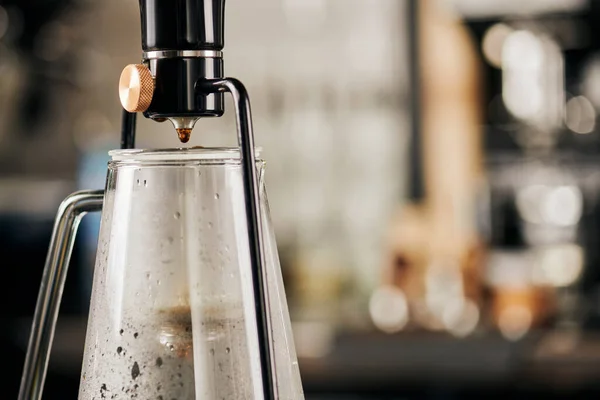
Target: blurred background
(433,173)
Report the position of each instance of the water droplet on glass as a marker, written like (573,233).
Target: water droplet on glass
(227,248)
(227,350)
(166,256)
(212,352)
(171,347)
(145,183)
(148,275)
(158,282)
(176,215)
(138,182)
(216,196)
(210,224)
(135,370)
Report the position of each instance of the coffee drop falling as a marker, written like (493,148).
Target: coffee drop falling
(184,134)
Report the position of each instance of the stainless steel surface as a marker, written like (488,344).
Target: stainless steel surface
(149,55)
(72,209)
(183,122)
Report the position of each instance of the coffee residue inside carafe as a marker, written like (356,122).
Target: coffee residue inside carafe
(176,331)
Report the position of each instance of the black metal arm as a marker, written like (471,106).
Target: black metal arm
(128,122)
(246,142)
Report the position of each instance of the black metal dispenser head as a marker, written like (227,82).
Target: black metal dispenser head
(182,43)
(182,24)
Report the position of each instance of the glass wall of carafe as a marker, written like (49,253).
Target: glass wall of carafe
(172,311)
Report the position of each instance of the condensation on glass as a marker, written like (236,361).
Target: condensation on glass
(172,310)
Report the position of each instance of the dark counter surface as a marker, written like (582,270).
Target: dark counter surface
(407,364)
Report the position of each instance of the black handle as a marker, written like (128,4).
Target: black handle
(182,24)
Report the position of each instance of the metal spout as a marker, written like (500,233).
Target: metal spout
(183,126)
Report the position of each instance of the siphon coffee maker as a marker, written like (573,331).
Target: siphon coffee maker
(187,299)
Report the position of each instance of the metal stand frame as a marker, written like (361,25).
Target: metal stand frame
(78,204)
(246,142)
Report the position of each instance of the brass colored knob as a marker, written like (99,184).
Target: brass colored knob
(136,87)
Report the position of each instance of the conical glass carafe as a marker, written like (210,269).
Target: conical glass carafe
(172,312)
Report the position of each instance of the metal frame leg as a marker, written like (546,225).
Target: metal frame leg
(248,161)
(72,209)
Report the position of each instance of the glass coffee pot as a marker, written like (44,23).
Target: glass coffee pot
(173,312)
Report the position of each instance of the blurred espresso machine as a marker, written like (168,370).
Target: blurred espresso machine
(541,144)
(501,232)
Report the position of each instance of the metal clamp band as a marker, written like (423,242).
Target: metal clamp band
(153,55)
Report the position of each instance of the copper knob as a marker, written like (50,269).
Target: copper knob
(136,87)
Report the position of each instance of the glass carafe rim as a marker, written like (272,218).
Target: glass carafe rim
(183,154)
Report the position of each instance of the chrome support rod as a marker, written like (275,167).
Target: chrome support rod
(71,210)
